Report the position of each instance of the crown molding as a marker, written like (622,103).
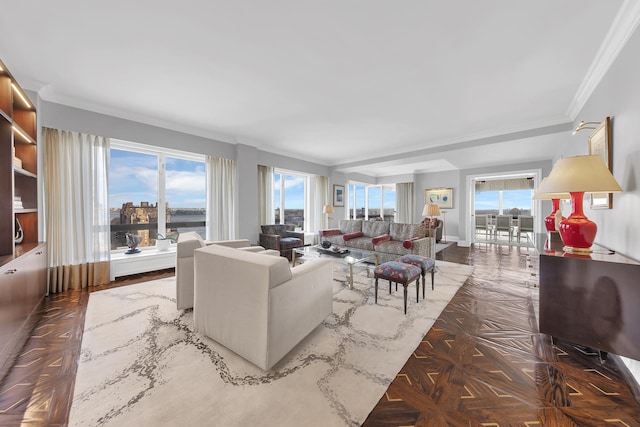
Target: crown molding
(621,29)
(47,94)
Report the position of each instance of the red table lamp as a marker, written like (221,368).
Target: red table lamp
(576,176)
(550,220)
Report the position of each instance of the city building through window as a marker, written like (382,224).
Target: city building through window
(155,193)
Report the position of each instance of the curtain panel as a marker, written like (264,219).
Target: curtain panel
(266,215)
(76,206)
(318,197)
(221,203)
(504,184)
(404,202)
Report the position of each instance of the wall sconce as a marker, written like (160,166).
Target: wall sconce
(585,125)
(576,176)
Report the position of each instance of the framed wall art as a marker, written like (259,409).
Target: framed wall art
(443,197)
(600,144)
(338,195)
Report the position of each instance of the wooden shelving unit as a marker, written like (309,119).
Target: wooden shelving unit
(18,137)
(23,266)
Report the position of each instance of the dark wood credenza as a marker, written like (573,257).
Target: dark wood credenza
(590,300)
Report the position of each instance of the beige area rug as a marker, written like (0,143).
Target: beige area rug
(142,364)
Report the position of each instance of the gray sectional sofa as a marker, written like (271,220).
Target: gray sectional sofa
(389,240)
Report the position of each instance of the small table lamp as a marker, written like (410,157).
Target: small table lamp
(431,210)
(327,209)
(576,176)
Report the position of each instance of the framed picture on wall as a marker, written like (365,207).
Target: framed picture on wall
(600,144)
(338,195)
(443,197)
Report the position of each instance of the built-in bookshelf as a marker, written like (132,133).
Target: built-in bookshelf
(23,259)
(19,169)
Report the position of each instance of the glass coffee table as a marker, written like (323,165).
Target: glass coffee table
(351,257)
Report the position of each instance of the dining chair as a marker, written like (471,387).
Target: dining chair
(503,224)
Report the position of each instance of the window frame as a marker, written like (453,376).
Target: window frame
(161,154)
(305,196)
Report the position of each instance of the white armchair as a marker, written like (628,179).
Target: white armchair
(187,243)
(257,306)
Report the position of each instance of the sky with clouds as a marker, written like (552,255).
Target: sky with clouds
(133,177)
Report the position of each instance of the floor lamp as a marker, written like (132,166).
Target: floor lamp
(444,228)
(328,209)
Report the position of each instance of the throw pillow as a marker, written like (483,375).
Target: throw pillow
(350,236)
(330,232)
(408,244)
(380,239)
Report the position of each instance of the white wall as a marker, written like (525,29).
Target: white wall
(618,96)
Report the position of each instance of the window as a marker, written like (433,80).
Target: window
(155,191)
(503,202)
(371,201)
(289,192)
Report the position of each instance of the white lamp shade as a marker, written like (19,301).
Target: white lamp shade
(538,195)
(585,174)
(431,210)
(327,209)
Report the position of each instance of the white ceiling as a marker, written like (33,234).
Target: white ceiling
(339,82)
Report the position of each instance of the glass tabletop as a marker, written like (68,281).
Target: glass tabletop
(349,255)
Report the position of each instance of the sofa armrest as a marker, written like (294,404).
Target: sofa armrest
(424,246)
(298,306)
(270,241)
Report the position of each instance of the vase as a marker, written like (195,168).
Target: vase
(163,245)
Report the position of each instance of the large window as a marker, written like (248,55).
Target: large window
(371,201)
(289,192)
(153,191)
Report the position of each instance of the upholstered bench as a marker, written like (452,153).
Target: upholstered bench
(398,272)
(425,264)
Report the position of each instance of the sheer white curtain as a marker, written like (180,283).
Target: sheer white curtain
(318,196)
(76,169)
(221,204)
(266,215)
(404,202)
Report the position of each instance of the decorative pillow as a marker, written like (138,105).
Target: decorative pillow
(408,244)
(330,232)
(380,239)
(350,236)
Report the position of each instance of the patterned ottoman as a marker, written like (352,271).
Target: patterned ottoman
(398,272)
(425,264)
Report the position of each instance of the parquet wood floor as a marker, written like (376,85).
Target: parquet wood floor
(482,364)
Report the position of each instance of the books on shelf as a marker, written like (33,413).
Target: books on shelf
(17,203)
(17,162)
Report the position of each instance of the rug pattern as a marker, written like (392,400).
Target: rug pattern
(142,363)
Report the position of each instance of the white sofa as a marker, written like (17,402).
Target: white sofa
(187,243)
(258,306)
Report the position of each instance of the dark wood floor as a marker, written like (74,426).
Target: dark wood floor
(482,364)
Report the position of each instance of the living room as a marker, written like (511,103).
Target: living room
(606,87)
